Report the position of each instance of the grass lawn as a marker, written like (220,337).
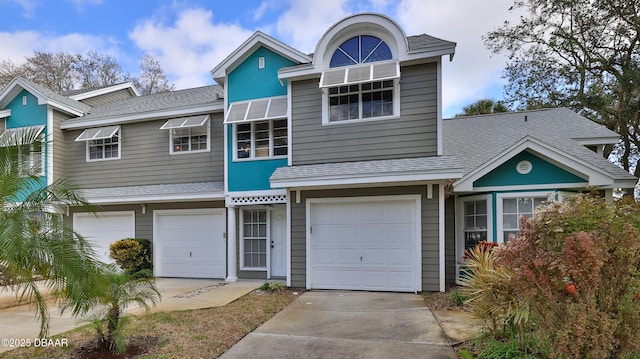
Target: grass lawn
(203,333)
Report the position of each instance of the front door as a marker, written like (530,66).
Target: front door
(278,243)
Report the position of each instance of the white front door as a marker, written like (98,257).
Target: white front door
(278,245)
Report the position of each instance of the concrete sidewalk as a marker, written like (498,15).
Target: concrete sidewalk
(19,322)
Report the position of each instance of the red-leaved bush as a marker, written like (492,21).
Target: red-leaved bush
(577,266)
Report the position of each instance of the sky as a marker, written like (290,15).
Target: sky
(190,37)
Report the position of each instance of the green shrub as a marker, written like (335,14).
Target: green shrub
(456,296)
(272,287)
(132,255)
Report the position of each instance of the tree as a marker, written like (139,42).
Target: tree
(54,71)
(152,78)
(36,245)
(118,291)
(95,70)
(584,55)
(483,107)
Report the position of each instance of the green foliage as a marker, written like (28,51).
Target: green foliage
(118,290)
(133,255)
(483,107)
(272,287)
(457,297)
(36,245)
(491,348)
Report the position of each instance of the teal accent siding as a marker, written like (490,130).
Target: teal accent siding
(248,82)
(543,172)
(248,175)
(30,114)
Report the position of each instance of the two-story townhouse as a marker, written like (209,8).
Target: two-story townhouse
(366,184)
(154,164)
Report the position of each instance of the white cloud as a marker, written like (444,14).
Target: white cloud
(475,72)
(18,45)
(191,46)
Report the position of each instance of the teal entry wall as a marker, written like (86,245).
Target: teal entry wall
(542,172)
(30,114)
(251,175)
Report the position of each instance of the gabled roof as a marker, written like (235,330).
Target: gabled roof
(559,135)
(249,46)
(82,94)
(44,96)
(173,103)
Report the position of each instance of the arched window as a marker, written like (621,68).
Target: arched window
(359,50)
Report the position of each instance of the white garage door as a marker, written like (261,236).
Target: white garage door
(364,244)
(190,243)
(104,228)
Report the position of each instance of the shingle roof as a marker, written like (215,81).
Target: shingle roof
(395,167)
(167,100)
(52,95)
(425,41)
(478,139)
(149,192)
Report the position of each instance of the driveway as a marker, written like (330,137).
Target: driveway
(335,324)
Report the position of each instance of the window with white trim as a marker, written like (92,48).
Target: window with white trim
(362,82)
(261,139)
(254,239)
(513,209)
(29,148)
(475,223)
(188,134)
(102,143)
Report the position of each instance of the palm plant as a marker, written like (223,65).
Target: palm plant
(118,291)
(36,245)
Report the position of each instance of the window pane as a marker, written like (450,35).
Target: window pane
(510,221)
(509,205)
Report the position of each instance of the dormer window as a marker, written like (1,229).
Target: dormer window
(362,82)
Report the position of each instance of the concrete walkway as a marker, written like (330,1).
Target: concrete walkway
(333,324)
(19,322)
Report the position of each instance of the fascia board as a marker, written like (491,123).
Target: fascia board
(597,177)
(252,43)
(5,113)
(106,90)
(138,117)
(325,181)
(608,140)
(192,197)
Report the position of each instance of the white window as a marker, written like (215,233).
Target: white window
(29,148)
(474,218)
(102,143)
(254,239)
(31,158)
(512,207)
(362,82)
(188,134)
(261,139)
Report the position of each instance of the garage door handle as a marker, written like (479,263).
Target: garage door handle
(189,254)
(360,258)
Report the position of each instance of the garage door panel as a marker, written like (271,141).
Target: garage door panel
(190,243)
(103,229)
(370,245)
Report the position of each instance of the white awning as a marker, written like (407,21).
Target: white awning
(183,122)
(20,136)
(98,133)
(350,75)
(257,110)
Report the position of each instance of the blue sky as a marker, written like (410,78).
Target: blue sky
(190,37)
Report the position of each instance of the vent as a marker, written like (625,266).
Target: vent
(267,199)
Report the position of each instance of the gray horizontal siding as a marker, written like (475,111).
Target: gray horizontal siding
(57,146)
(414,134)
(145,159)
(107,98)
(430,230)
(450,240)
